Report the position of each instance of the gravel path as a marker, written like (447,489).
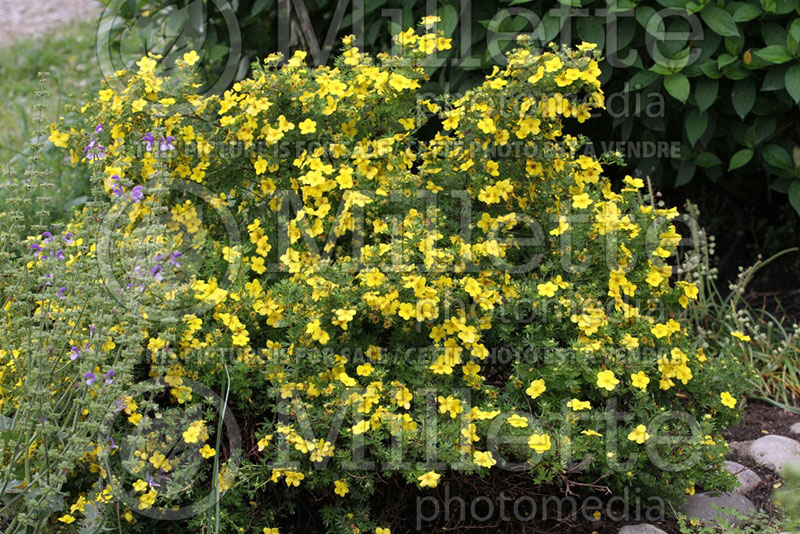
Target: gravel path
(28,18)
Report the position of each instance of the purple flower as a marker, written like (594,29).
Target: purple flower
(98,128)
(111,443)
(120,405)
(47,236)
(90,378)
(149,479)
(174,259)
(167,144)
(36,249)
(137,193)
(149,141)
(91,330)
(60,255)
(61,291)
(110,376)
(68,238)
(94,150)
(117,190)
(74,354)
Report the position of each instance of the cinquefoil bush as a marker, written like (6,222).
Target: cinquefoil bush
(370,303)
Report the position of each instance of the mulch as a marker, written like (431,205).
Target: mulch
(760,419)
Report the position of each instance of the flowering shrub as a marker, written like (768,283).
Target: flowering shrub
(372,303)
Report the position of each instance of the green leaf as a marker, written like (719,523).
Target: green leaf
(591,30)
(678,86)
(259,6)
(794,29)
(794,195)
(707,159)
(642,80)
(775,79)
(774,54)
(777,156)
(705,93)
(449,21)
(719,20)
(710,69)
(763,128)
(792,81)
(740,158)
(674,4)
(696,124)
(734,45)
(724,60)
(685,173)
(644,14)
(742,12)
(743,96)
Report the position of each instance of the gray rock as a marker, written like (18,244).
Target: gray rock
(748,479)
(644,528)
(740,447)
(775,452)
(703,507)
(795,428)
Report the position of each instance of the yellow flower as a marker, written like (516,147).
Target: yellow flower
(581,201)
(140,485)
(727,399)
(308,126)
(364,369)
(740,335)
(486,125)
(60,140)
(66,519)
(195,432)
(158,460)
(360,427)
(260,165)
(517,421)
(483,459)
(640,380)
(578,405)
(190,58)
(429,479)
(539,442)
(317,333)
(207,452)
(343,316)
(536,388)
(607,380)
(147,500)
(639,435)
(450,404)
(293,478)
(341,488)
(548,289)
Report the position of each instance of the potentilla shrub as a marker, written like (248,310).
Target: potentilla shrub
(384,286)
